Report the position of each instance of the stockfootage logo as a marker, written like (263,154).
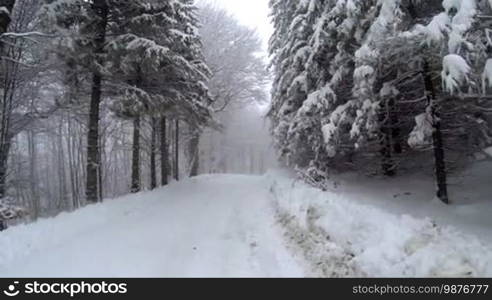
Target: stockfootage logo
(11,290)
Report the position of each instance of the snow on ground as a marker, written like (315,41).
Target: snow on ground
(266,226)
(470,193)
(391,227)
(212,226)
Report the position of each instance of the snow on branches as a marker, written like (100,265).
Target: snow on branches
(356,48)
(455,72)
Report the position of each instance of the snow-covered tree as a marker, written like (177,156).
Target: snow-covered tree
(290,48)
(352,77)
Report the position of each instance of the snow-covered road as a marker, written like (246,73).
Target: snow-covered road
(211,226)
(249,226)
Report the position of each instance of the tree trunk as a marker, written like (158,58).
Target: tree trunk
(439,157)
(135,188)
(387,161)
(194,153)
(153,150)
(395,127)
(71,163)
(5,142)
(31,145)
(164,153)
(100,167)
(4,154)
(176,150)
(92,193)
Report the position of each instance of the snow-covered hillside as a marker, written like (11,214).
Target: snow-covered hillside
(244,226)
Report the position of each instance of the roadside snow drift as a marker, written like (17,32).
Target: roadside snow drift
(369,241)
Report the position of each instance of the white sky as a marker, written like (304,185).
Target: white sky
(253,13)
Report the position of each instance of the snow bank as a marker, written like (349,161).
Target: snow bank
(27,243)
(381,243)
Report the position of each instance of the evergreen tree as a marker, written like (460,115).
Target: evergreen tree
(352,77)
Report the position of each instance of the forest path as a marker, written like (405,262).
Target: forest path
(210,226)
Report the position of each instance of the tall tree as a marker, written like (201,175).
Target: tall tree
(84,47)
(101,11)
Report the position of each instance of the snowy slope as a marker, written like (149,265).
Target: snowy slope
(211,226)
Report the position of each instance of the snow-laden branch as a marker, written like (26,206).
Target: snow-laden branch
(25,34)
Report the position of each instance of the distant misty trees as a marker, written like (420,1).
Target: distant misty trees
(375,85)
(238,85)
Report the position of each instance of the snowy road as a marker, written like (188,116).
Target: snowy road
(238,226)
(211,226)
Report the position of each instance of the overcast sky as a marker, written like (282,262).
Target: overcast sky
(253,13)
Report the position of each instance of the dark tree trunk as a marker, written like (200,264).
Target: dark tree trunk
(4,155)
(389,123)
(5,141)
(176,150)
(164,153)
(439,157)
(395,127)
(387,163)
(135,188)
(153,150)
(99,170)
(93,157)
(194,153)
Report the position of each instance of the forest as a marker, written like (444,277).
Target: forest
(388,87)
(106,98)
(219,138)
